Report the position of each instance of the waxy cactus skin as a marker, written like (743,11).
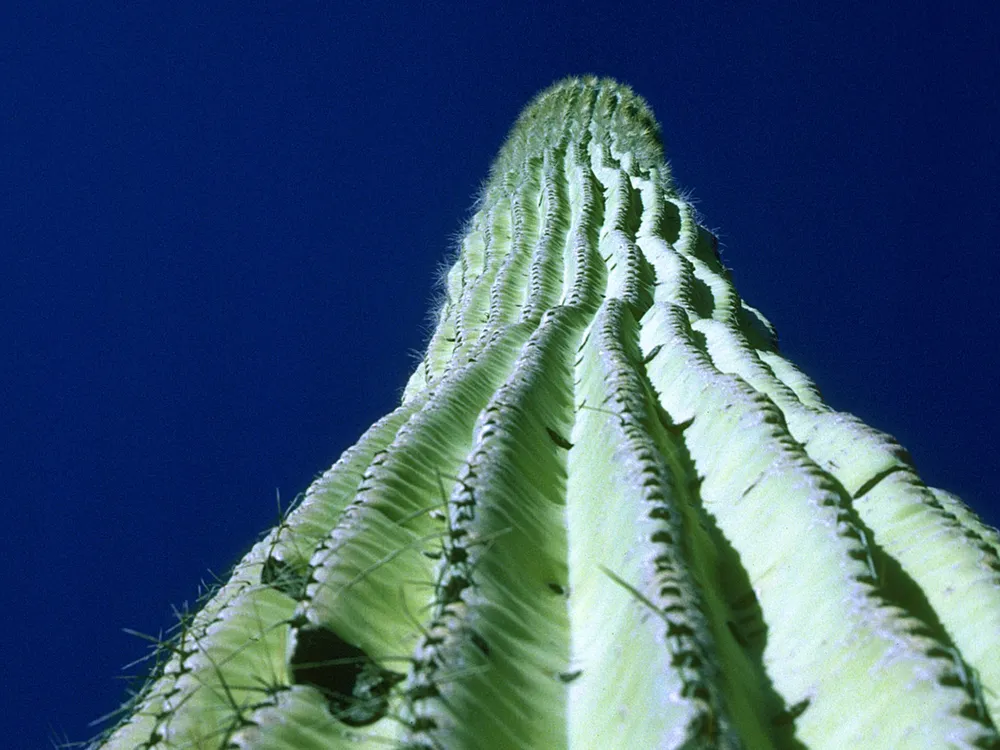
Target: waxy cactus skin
(607,514)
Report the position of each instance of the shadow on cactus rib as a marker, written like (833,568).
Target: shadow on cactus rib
(284,577)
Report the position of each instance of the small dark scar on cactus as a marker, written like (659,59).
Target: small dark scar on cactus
(750,487)
(652,353)
(558,439)
(737,635)
(694,484)
(555,588)
(679,427)
(479,642)
(791,713)
(568,677)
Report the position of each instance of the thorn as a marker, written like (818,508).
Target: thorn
(652,353)
(559,439)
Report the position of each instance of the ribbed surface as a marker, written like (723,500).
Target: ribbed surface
(607,514)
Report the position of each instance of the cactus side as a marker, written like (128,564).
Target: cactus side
(607,514)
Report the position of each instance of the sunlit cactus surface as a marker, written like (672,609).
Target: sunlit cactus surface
(607,514)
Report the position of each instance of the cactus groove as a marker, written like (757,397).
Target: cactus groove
(607,514)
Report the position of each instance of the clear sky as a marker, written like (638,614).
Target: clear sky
(221,224)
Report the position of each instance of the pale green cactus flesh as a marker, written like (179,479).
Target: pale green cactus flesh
(607,514)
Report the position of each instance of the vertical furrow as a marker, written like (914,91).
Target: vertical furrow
(476,305)
(589,271)
(298,718)
(195,673)
(730,353)
(954,561)
(490,670)
(510,287)
(801,385)
(439,348)
(474,253)
(652,217)
(629,276)
(687,228)
(417,383)
(723,304)
(546,275)
(641,645)
(673,271)
(443,342)
(987,536)
(697,297)
(576,209)
(478,245)
(762,336)
(927,546)
(235,667)
(296,537)
(811,569)
(723,588)
(372,576)
(216,682)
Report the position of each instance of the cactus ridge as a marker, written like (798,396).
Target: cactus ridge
(607,513)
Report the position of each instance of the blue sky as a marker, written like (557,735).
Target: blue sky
(222,224)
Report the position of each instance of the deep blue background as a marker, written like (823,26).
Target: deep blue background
(222,222)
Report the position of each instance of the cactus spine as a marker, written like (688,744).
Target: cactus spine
(607,514)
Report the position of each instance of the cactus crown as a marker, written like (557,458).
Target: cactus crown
(581,109)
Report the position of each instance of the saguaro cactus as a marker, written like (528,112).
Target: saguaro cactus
(607,514)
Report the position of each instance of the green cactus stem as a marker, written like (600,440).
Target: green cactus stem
(607,514)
